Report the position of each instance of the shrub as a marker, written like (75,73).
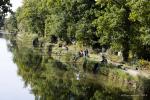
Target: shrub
(143,64)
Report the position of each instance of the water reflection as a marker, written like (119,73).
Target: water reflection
(11,86)
(51,79)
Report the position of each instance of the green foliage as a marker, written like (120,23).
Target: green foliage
(28,58)
(140,17)
(143,64)
(109,24)
(11,24)
(122,25)
(124,22)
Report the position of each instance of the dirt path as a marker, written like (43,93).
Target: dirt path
(130,71)
(138,73)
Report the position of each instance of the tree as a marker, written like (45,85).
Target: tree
(4,8)
(84,27)
(71,19)
(140,17)
(116,23)
(11,23)
(33,14)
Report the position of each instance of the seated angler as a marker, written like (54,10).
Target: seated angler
(104,60)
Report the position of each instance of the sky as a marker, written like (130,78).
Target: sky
(16,4)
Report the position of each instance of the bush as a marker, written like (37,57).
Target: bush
(143,64)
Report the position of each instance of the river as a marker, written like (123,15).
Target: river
(29,73)
(11,85)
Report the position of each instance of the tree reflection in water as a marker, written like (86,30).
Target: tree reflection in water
(51,79)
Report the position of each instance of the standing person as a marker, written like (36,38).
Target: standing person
(86,52)
(103,50)
(85,65)
(81,53)
(96,68)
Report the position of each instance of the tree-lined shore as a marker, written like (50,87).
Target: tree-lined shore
(82,49)
(121,25)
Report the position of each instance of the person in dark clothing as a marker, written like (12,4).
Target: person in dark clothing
(81,53)
(86,52)
(96,68)
(35,42)
(84,65)
(104,60)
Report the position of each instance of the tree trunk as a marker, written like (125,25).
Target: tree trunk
(126,39)
(125,52)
